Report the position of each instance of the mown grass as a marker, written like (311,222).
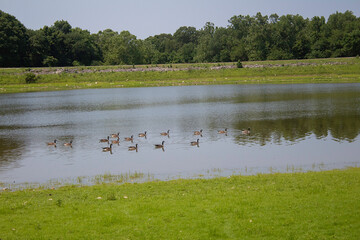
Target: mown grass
(313,205)
(323,70)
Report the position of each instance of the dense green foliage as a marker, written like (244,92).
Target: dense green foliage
(314,205)
(30,78)
(14,42)
(245,38)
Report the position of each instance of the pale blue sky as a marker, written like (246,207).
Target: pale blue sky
(145,18)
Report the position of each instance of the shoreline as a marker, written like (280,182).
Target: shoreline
(315,205)
(339,70)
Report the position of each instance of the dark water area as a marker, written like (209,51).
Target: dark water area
(298,127)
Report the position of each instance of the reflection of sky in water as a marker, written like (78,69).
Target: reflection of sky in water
(293,126)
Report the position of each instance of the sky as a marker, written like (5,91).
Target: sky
(145,18)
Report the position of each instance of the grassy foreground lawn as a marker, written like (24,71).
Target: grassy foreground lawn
(339,70)
(314,205)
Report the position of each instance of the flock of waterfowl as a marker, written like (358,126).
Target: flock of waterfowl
(114,138)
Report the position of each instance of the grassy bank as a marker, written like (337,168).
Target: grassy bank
(291,71)
(314,205)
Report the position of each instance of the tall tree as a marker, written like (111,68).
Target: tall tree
(204,48)
(319,38)
(83,48)
(258,38)
(186,39)
(245,38)
(165,47)
(341,26)
(241,25)
(121,48)
(14,42)
(186,35)
(289,39)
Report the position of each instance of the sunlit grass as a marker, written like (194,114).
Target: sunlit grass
(313,205)
(317,71)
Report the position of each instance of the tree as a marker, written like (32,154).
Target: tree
(83,47)
(49,45)
(186,35)
(186,39)
(352,43)
(164,47)
(150,54)
(39,47)
(62,26)
(257,41)
(186,53)
(288,38)
(130,48)
(245,38)
(121,48)
(340,26)
(204,48)
(222,44)
(14,42)
(241,25)
(318,35)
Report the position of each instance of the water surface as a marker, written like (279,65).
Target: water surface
(293,127)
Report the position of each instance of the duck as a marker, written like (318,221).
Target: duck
(160,145)
(68,144)
(195,143)
(52,143)
(142,134)
(246,131)
(115,135)
(116,141)
(129,138)
(107,149)
(165,133)
(132,148)
(105,139)
(222,131)
(198,132)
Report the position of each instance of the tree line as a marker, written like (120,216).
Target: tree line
(245,38)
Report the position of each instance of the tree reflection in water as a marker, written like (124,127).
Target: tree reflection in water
(340,127)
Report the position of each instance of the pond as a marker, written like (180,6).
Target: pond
(293,127)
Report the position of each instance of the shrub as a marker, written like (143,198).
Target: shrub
(50,61)
(76,63)
(239,64)
(30,78)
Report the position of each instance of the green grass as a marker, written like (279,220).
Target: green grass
(320,71)
(314,205)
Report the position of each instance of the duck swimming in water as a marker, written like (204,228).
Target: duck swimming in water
(105,139)
(195,143)
(246,131)
(160,145)
(132,148)
(68,144)
(107,149)
(165,133)
(223,131)
(129,138)
(198,132)
(52,143)
(142,134)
